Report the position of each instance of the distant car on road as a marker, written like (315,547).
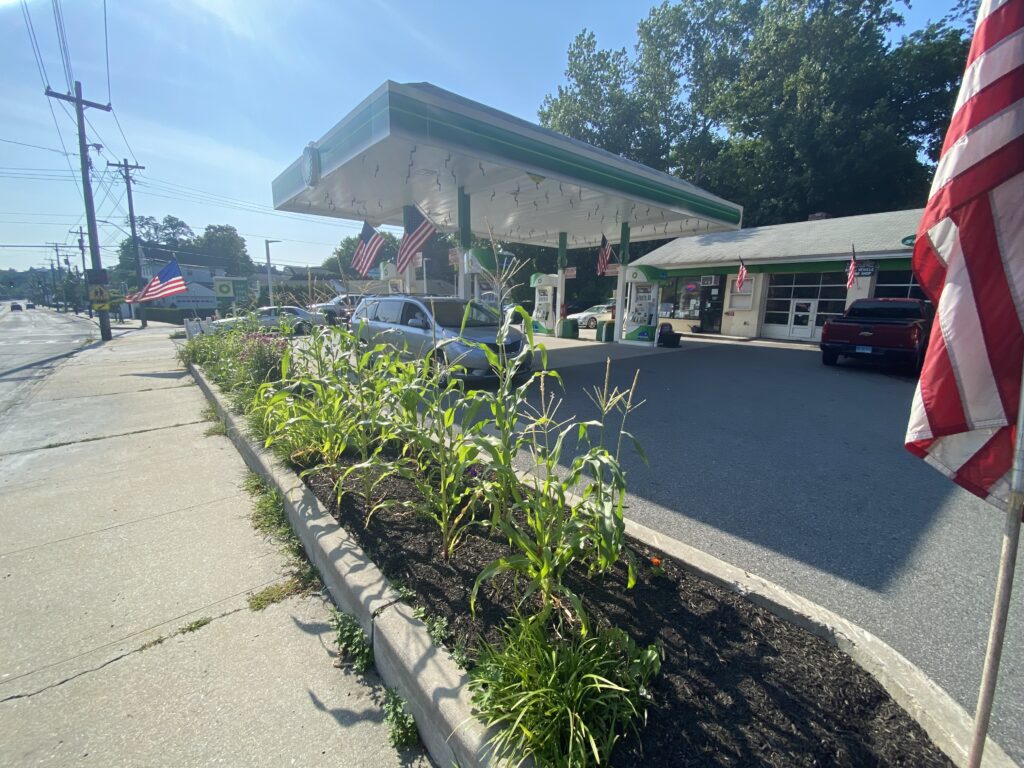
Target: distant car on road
(299,320)
(422,325)
(588,318)
(15,306)
(30,305)
(879,329)
(338,311)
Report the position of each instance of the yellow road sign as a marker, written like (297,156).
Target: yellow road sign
(101,307)
(98,293)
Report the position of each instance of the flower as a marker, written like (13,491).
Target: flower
(656,562)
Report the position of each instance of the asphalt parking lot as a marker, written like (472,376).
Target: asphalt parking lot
(796,472)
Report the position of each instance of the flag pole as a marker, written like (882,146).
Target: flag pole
(1004,586)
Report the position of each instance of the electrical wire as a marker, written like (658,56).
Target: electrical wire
(62,39)
(37,146)
(106,48)
(35,44)
(117,122)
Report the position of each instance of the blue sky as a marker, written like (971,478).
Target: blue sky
(219,96)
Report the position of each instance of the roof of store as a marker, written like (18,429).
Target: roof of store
(417,144)
(873,235)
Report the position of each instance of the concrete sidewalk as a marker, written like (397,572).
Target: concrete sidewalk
(121,524)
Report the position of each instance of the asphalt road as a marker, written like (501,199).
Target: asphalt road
(32,341)
(797,472)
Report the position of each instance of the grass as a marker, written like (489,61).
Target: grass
(219,426)
(275,593)
(178,335)
(192,626)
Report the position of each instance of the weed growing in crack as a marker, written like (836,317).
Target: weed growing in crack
(192,626)
(275,593)
(353,644)
(402,730)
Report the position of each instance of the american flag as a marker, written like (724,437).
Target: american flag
(969,259)
(413,242)
(741,278)
(167,282)
(851,270)
(370,243)
(604,256)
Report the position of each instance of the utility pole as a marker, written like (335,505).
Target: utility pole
(126,172)
(53,285)
(81,247)
(90,210)
(270,279)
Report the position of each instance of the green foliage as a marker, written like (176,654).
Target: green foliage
(275,593)
(561,701)
(192,626)
(437,626)
(353,644)
(402,731)
(786,107)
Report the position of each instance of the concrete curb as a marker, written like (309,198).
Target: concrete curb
(433,686)
(945,721)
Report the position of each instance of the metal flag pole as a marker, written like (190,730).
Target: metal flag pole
(1004,586)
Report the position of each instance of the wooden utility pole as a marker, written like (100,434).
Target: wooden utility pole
(90,210)
(126,172)
(81,248)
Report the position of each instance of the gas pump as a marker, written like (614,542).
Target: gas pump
(474,266)
(544,318)
(389,274)
(640,324)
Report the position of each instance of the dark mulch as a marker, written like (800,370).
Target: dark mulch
(738,687)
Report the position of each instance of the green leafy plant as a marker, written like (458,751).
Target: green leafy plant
(561,700)
(402,730)
(353,644)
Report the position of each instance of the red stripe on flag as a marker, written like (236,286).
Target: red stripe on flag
(989,101)
(939,391)
(929,269)
(980,472)
(997,167)
(999,25)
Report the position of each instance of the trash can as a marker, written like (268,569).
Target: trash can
(605,330)
(568,329)
(667,337)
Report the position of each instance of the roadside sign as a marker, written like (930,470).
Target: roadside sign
(454,254)
(570,273)
(97,276)
(101,307)
(417,260)
(224,287)
(612,270)
(98,294)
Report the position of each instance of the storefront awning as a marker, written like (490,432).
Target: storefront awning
(416,144)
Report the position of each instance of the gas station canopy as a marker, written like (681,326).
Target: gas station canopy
(417,144)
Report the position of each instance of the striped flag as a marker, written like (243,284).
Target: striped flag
(604,256)
(969,259)
(851,270)
(413,242)
(167,282)
(370,243)
(741,278)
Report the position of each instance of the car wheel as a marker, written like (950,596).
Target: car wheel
(303,329)
(592,322)
(828,357)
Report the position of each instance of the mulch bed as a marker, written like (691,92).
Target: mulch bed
(738,686)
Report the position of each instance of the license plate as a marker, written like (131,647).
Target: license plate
(864,350)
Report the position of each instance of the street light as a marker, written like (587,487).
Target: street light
(270,280)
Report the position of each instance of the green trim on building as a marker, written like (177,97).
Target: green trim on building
(785,269)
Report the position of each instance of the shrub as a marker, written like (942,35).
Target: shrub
(353,645)
(401,725)
(561,701)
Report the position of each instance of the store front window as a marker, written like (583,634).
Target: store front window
(798,305)
(680,298)
(897,284)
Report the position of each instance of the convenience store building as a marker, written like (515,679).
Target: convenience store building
(796,274)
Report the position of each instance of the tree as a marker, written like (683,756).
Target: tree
(787,106)
(225,249)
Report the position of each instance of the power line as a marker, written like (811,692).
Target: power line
(33,40)
(34,146)
(106,48)
(121,130)
(62,40)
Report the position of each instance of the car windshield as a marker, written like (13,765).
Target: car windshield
(450,314)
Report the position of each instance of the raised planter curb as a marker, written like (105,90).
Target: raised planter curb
(943,719)
(433,686)
(436,689)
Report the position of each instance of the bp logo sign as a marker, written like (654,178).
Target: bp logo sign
(224,287)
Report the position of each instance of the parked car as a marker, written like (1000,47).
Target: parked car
(879,329)
(588,318)
(421,325)
(15,306)
(30,305)
(299,320)
(338,311)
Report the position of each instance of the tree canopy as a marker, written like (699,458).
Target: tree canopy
(789,107)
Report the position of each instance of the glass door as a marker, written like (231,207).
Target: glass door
(801,318)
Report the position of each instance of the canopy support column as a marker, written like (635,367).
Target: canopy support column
(620,281)
(409,215)
(465,242)
(563,260)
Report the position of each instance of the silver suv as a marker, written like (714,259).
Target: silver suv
(420,324)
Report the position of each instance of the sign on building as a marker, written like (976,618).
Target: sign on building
(865,268)
(224,287)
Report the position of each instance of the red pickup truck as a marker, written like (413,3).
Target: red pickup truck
(879,329)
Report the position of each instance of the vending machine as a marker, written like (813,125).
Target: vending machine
(544,311)
(640,324)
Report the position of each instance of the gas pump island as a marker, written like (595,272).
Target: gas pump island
(640,325)
(413,148)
